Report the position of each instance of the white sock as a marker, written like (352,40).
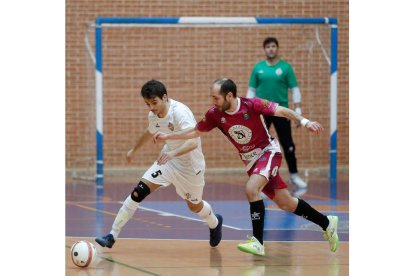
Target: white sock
(125,213)
(208,215)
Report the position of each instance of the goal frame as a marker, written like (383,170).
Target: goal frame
(101,22)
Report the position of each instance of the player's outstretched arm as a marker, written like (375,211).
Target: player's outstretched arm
(186,147)
(290,114)
(185,134)
(145,137)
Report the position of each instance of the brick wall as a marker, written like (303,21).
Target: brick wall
(187,61)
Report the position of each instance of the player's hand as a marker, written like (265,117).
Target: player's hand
(129,155)
(159,136)
(314,127)
(164,158)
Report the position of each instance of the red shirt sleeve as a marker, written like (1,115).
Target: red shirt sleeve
(208,122)
(264,107)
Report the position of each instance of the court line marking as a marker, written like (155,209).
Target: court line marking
(144,239)
(235,228)
(114,214)
(166,214)
(272,208)
(147,209)
(162,213)
(126,265)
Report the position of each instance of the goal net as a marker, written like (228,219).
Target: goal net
(187,58)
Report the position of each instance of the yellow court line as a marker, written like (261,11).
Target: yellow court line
(114,214)
(104,198)
(92,209)
(119,263)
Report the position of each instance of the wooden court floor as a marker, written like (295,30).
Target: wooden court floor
(153,243)
(195,257)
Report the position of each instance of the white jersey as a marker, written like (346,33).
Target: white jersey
(179,117)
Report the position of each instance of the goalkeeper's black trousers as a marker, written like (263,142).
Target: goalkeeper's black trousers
(284,132)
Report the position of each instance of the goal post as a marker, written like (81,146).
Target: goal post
(103,22)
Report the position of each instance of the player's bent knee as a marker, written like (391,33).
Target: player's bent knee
(195,208)
(252,193)
(140,192)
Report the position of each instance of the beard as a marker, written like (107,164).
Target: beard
(225,106)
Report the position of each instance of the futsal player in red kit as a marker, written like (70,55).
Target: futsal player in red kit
(240,120)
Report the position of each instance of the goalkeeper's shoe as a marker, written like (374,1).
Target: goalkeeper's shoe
(296,180)
(331,234)
(252,246)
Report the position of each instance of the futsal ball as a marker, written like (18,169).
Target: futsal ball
(83,253)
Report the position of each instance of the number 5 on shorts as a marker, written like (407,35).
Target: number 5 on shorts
(157,173)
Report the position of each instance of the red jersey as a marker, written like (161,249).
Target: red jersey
(244,127)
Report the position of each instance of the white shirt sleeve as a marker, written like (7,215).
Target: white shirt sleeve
(296,96)
(251,92)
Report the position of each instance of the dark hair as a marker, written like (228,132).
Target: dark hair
(270,40)
(152,89)
(226,86)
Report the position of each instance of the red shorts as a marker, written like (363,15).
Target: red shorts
(268,165)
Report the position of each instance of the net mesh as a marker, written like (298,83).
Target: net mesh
(83,166)
(187,60)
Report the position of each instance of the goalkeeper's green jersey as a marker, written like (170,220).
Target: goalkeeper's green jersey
(272,82)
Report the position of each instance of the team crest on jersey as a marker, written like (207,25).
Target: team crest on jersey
(279,71)
(240,134)
(171,126)
(223,120)
(265,103)
(246,116)
(157,125)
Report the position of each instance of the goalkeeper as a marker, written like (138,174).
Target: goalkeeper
(270,79)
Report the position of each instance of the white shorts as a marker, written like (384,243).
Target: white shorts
(188,184)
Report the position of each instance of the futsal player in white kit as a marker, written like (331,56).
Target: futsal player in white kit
(180,163)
